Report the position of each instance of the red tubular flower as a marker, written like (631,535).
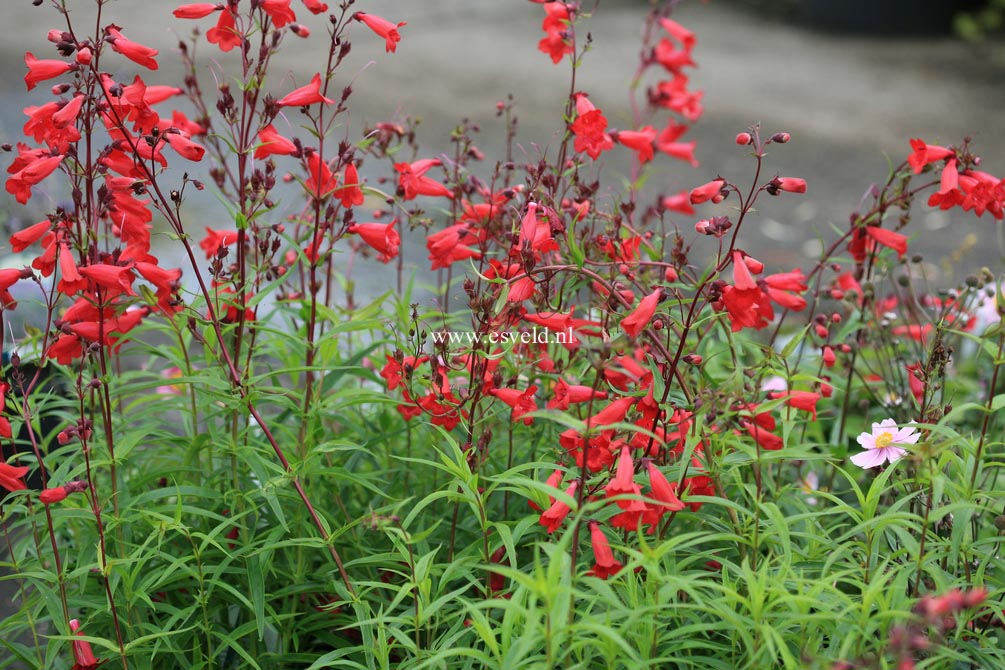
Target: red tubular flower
(70,279)
(225,34)
(215,239)
(791,184)
(350,192)
(553,517)
(804,400)
(41,70)
(381,236)
(565,394)
(279,11)
(113,278)
(686,38)
(623,483)
(679,202)
(412,180)
(888,238)
(556,42)
(83,656)
(305,95)
(641,141)
(642,314)
(11,476)
(710,191)
(522,402)
(321,182)
(663,490)
(923,154)
(764,438)
(590,129)
(604,563)
(8,278)
(23,239)
(185,147)
(273,143)
(68,113)
(19,184)
(315,6)
(383,28)
(196,10)
(451,245)
(138,53)
(52,496)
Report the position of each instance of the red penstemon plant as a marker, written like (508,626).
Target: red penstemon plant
(658,396)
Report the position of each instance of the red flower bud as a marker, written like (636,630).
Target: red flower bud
(744,139)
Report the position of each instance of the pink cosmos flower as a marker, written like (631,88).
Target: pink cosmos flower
(883,444)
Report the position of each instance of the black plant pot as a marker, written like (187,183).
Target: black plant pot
(883,17)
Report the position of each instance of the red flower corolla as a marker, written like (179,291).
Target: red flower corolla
(350,192)
(888,238)
(803,400)
(380,236)
(185,147)
(413,182)
(778,285)
(553,517)
(392,372)
(316,6)
(383,28)
(225,34)
(451,245)
(273,143)
(614,412)
(23,239)
(83,656)
(641,141)
(556,42)
(662,491)
(41,70)
(68,113)
(789,184)
(305,95)
(138,53)
(19,183)
(669,56)
(764,437)
(640,317)
(686,38)
(623,482)
(8,278)
(565,394)
(196,10)
(522,402)
(11,476)
(710,191)
(679,202)
(53,495)
(215,239)
(923,154)
(915,383)
(164,280)
(604,564)
(535,232)
(279,11)
(114,279)
(590,129)
(321,182)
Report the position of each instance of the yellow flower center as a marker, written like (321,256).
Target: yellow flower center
(883,440)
